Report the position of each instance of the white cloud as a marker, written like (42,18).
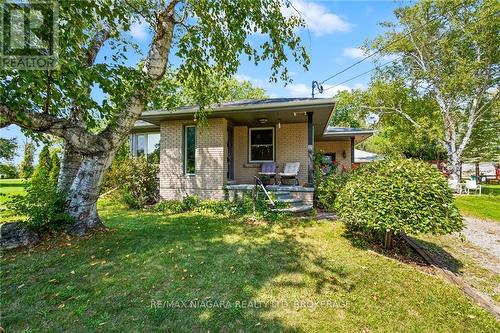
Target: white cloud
(334,90)
(299,90)
(359,86)
(139,29)
(254,81)
(354,52)
(318,18)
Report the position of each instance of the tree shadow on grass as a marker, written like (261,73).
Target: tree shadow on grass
(402,251)
(138,276)
(443,259)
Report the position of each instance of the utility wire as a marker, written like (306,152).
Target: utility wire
(382,49)
(364,73)
(388,62)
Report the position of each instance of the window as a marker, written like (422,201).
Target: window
(261,145)
(146,144)
(189,149)
(153,151)
(140,144)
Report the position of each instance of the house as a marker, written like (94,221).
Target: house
(222,157)
(361,156)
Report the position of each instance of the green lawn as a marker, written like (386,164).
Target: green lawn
(486,206)
(108,282)
(9,187)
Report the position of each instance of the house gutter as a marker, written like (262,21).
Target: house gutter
(262,107)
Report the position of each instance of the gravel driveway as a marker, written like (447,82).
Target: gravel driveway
(486,236)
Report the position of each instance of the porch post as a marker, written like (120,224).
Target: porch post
(310,150)
(352,151)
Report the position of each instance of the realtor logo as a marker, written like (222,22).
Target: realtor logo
(28,32)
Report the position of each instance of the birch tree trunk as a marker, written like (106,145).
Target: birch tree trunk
(453,166)
(85,188)
(84,192)
(70,163)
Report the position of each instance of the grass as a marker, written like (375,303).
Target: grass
(108,282)
(486,206)
(463,258)
(9,187)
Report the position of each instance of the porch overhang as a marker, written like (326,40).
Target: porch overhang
(347,134)
(253,112)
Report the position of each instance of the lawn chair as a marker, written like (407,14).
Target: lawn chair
(455,186)
(472,185)
(290,171)
(268,170)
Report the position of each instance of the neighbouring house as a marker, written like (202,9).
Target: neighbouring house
(361,156)
(221,157)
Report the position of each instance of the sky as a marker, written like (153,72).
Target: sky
(335,31)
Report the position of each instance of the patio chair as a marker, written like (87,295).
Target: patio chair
(290,171)
(268,169)
(455,186)
(472,185)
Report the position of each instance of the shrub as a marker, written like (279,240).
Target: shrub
(330,178)
(26,166)
(190,202)
(55,167)
(9,171)
(170,206)
(43,206)
(137,181)
(241,207)
(42,170)
(396,196)
(218,207)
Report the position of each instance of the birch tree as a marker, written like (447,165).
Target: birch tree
(206,36)
(446,51)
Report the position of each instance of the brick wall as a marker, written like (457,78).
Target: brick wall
(291,146)
(337,147)
(211,162)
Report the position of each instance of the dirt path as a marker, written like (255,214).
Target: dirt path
(486,236)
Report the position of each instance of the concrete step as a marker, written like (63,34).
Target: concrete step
(294,210)
(281,193)
(291,201)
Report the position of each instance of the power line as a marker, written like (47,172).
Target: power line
(364,73)
(388,62)
(383,48)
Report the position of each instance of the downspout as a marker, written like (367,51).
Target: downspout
(352,151)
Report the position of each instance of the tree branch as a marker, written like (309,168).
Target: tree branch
(154,68)
(393,109)
(398,110)
(95,45)
(75,135)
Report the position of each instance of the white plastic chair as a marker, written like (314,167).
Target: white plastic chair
(290,171)
(472,185)
(455,186)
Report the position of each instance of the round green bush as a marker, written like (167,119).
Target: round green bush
(401,195)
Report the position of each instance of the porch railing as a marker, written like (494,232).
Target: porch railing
(259,183)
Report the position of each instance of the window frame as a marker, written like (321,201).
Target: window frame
(184,150)
(145,144)
(250,129)
(134,143)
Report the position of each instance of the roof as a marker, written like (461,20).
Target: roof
(242,104)
(336,133)
(361,156)
(274,110)
(239,104)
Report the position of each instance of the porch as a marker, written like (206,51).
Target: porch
(298,197)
